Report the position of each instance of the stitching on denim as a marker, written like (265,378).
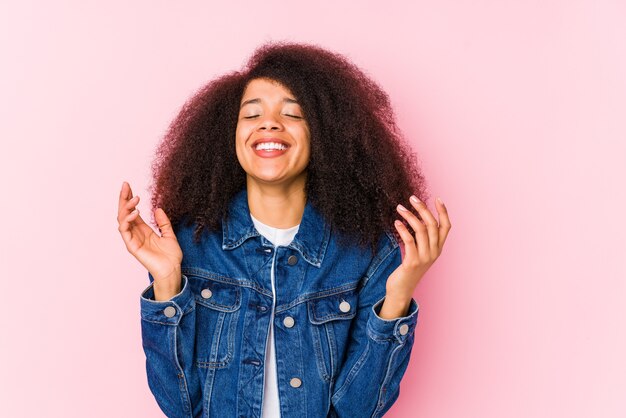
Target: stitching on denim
(230,245)
(319,353)
(380,404)
(241,282)
(330,334)
(328,292)
(376,263)
(182,381)
(205,274)
(333,316)
(303,252)
(159,322)
(219,307)
(351,375)
(377,337)
(230,322)
(328,317)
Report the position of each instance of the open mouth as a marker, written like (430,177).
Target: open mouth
(269,148)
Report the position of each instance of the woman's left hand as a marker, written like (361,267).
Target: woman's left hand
(419,252)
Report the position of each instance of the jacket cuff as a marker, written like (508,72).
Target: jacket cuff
(167,312)
(397,329)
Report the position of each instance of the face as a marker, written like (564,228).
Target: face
(272,137)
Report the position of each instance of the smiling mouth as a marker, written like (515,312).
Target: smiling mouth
(268,146)
(270,152)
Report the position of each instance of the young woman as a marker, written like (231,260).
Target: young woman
(277,283)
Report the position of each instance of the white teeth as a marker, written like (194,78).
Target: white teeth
(270,146)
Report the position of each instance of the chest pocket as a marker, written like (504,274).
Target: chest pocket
(330,326)
(217,315)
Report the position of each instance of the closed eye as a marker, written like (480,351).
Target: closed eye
(254,116)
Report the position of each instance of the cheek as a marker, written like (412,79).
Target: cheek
(308,141)
(306,151)
(240,141)
(241,134)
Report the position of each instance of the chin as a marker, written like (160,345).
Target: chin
(266,178)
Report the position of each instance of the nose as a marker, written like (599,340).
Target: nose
(269,122)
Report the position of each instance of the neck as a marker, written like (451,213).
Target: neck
(277,205)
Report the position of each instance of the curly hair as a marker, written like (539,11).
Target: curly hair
(360,166)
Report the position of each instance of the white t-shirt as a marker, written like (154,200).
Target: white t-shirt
(277,236)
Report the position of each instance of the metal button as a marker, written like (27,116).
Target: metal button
(288,321)
(404,328)
(206,293)
(170,311)
(295,382)
(292,260)
(344,306)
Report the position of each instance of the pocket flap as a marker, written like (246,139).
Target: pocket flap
(225,297)
(332,307)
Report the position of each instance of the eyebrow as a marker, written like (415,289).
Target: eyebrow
(257,100)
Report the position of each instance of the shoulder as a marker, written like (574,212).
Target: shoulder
(387,244)
(388,251)
(183,229)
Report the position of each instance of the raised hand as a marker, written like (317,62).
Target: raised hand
(160,255)
(420,252)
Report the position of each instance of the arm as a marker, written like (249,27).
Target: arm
(368,382)
(168,335)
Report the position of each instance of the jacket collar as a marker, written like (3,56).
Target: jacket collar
(311,240)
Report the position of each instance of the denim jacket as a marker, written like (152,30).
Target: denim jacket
(335,357)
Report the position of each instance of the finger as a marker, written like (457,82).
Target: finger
(410,251)
(130,191)
(431,224)
(126,192)
(125,226)
(130,206)
(444,223)
(163,221)
(122,198)
(125,195)
(421,234)
(126,207)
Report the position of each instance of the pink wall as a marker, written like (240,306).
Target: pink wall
(516,108)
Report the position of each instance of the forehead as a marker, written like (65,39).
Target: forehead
(266,87)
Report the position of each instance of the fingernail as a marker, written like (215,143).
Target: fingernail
(415,199)
(402,208)
(439,200)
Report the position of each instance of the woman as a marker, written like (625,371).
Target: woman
(277,285)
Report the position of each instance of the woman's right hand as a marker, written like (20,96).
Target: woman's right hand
(160,255)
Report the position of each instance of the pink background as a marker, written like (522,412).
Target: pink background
(516,108)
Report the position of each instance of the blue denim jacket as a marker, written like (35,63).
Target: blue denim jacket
(335,357)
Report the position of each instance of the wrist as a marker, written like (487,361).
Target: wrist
(399,296)
(394,306)
(165,289)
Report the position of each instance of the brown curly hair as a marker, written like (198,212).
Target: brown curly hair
(360,166)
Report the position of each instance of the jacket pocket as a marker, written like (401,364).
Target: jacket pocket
(217,315)
(330,317)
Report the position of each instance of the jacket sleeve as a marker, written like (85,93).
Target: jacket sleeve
(168,335)
(368,382)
